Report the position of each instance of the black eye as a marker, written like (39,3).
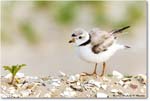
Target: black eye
(73,35)
(80,37)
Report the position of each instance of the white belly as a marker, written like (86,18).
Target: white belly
(86,53)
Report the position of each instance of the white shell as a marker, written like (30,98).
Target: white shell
(62,73)
(68,93)
(96,83)
(117,74)
(101,95)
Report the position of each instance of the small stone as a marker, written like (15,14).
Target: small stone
(117,74)
(133,86)
(101,95)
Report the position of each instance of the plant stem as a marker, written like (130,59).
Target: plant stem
(12,80)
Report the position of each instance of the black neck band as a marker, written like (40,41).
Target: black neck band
(87,42)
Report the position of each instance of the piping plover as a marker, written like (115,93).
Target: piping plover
(97,46)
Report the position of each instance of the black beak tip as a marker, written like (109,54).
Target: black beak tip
(70,41)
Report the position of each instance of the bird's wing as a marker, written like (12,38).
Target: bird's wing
(98,36)
(103,46)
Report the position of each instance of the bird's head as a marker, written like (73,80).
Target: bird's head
(79,36)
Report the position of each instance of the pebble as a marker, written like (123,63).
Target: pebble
(133,86)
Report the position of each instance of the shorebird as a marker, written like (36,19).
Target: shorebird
(97,46)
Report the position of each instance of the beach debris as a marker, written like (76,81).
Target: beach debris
(68,93)
(141,78)
(133,86)
(62,73)
(117,74)
(116,91)
(101,95)
(94,82)
(74,86)
(73,78)
(48,95)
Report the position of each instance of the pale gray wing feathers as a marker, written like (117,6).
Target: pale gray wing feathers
(98,36)
(103,46)
(100,40)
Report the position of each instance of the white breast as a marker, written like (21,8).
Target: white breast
(86,53)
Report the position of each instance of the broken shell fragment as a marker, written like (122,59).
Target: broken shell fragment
(62,73)
(117,74)
(76,88)
(101,95)
(73,78)
(96,83)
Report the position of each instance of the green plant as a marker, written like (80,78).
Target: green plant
(13,70)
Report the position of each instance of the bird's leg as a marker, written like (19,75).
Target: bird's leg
(103,71)
(94,72)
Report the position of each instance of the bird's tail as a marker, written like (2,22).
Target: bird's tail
(127,46)
(120,30)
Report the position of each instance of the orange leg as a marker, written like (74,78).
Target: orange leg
(94,72)
(103,71)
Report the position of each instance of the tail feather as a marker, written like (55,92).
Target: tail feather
(120,30)
(127,46)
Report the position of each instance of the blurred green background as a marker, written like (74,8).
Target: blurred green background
(36,33)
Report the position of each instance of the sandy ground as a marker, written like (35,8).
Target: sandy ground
(114,85)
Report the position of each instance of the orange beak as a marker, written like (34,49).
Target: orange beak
(72,40)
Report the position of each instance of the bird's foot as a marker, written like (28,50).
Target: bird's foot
(101,75)
(89,74)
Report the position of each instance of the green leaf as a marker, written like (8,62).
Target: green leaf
(13,69)
(7,68)
(18,68)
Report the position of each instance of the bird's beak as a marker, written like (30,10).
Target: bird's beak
(72,40)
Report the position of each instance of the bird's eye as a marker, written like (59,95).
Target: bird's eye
(80,37)
(73,35)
